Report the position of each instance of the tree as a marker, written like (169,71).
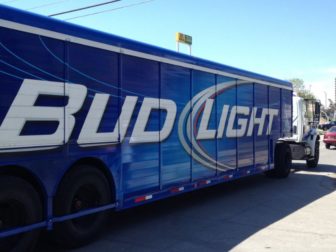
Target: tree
(298,84)
(300,89)
(331,110)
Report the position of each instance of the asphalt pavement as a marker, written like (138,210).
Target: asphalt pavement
(253,214)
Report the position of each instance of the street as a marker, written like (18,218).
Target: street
(253,214)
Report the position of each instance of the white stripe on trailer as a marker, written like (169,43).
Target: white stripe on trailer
(87,42)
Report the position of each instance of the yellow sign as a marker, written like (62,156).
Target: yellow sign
(183,38)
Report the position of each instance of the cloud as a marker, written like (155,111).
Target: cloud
(330,70)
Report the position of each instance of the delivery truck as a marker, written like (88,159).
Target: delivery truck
(92,122)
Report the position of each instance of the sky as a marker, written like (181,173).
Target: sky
(284,39)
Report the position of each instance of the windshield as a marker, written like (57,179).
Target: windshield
(332,129)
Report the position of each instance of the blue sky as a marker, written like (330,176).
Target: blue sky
(284,39)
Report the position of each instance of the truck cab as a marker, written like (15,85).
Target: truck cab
(304,143)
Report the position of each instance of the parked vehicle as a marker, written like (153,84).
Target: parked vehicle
(327,125)
(330,137)
(92,122)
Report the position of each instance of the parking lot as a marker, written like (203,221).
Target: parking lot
(254,214)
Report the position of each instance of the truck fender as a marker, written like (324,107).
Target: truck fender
(311,140)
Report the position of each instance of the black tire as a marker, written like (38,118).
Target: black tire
(84,187)
(327,146)
(20,205)
(282,162)
(312,163)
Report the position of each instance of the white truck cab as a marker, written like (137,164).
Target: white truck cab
(304,143)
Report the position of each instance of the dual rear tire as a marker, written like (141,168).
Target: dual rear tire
(20,205)
(84,187)
(282,162)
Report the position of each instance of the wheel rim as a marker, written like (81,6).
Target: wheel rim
(12,214)
(87,196)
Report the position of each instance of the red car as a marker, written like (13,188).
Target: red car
(330,137)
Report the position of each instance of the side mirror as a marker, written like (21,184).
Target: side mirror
(317,108)
(317,113)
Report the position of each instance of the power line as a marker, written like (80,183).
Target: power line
(118,8)
(10,1)
(83,8)
(46,5)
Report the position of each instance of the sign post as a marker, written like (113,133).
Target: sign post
(185,39)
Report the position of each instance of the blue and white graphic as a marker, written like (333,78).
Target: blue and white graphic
(202,104)
(156,121)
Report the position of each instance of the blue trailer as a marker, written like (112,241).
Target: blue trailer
(91,122)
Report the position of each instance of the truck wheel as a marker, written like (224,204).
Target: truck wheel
(312,163)
(327,146)
(84,187)
(282,162)
(19,205)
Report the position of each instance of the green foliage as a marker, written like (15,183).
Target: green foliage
(300,89)
(298,84)
(306,94)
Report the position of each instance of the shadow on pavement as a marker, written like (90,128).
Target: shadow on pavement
(216,218)
(320,168)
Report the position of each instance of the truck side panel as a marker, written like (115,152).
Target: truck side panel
(19,62)
(245,142)
(200,82)
(175,164)
(226,147)
(140,162)
(261,141)
(98,70)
